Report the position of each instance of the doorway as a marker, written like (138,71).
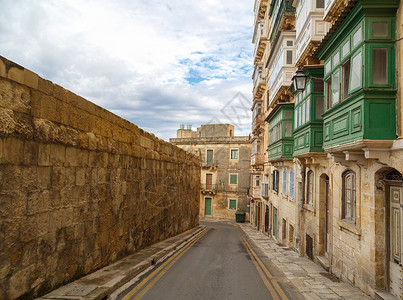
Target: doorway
(207,206)
(325,215)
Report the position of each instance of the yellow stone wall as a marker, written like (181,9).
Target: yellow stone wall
(80,186)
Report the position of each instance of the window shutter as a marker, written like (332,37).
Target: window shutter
(285,182)
(292,183)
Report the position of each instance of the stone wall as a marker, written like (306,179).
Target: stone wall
(79,186)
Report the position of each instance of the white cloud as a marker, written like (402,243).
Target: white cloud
(156,63)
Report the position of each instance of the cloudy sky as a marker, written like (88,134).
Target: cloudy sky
(155,63)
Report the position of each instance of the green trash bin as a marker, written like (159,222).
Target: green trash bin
(240,217)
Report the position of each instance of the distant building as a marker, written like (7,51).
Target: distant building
(225,168)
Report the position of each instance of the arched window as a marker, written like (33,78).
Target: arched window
(309,188)
(348,196)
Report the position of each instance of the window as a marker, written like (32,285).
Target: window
(285,181)
(335,87)
(287,130)
(210,157)
(289,57)
(319,107)
(232,204)
(234,153)
(309,185)
(348,196)
(356,70)
(233,178)
(328,89)
(345,80)
(379,63)
(292,183)
(320,3)
(289,43)
(275,180)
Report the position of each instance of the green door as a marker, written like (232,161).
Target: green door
(207,206)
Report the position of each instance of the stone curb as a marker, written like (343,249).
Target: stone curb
(100,284)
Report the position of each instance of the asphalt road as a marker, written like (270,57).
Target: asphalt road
(221,264)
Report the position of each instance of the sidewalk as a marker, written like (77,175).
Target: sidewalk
(308,277)
(100,284)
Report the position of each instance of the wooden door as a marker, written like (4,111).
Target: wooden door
(396,247)
(207,206)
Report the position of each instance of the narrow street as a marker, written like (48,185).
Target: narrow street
(222,263)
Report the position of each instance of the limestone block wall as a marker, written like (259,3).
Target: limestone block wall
(79,186)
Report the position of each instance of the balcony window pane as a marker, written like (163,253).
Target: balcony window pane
(379,29)
(328,66)
(320,3)
(357,37)
(379,62)
(356,70)
(307,109)
(287,129)
(335,87)
(328,89)
(319,107)
(336,59)
(289,57)
(296,121)
(345,79)
(300,115)
(346,48)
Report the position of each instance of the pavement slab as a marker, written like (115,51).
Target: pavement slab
(308,277)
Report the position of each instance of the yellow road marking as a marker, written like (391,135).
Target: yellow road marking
(169,262)
(265,281)
(268,274)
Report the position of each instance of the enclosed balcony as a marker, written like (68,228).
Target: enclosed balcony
(259,81)
(257,159)
(282,14)
(310,29)
(259,9)
(281,132)
(360,88)
(333,9)
(260,41)
(257,118)
(281,66)
(308,110)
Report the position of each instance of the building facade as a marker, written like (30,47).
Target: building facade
(225,168)
(331,184)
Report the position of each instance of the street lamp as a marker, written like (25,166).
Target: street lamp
(299,80)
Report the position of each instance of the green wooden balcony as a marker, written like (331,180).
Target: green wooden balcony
(359,79)
(308,110)
(281,138)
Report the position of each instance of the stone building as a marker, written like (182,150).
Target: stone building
(329,184)
(225,168)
